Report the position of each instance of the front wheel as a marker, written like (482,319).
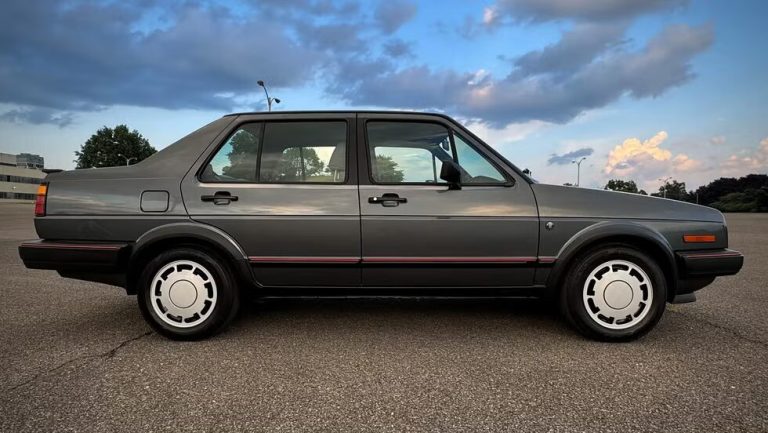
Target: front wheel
(187,294)
(614,293)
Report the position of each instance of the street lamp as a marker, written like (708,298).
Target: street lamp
(666,182)
(578,169)
(100,159)
(127,160)
(269,100)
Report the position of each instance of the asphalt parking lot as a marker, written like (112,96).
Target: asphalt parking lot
(78,357)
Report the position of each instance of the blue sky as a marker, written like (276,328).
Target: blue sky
(644,88)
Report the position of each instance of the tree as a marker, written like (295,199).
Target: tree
(674,190)
(385,170)
(242,157)
(622,186)
(299,163)
(295,164)
(105,146)
(751,200)
(712,192)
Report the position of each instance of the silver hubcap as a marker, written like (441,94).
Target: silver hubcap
(183,293)
(618,294)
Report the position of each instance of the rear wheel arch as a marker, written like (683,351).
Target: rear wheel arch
(632,235)
(198,236)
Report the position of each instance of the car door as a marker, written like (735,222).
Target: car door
(419,232)
(285,188)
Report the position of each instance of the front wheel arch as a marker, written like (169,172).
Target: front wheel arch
(637,236)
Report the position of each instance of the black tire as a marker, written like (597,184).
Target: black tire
(576,308)
(227,294)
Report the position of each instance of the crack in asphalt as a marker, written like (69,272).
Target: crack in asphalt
(722,328)
(104,355)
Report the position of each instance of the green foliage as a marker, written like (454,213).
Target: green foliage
(745,194)
(242,160)
(622,186)
(674,190)
(299,163)
(715,190)
(103,148)
(385,170)
(751,200)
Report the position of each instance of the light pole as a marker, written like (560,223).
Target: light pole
(666,181)
(127,160)
(269,100)
(578,169)
(100,159)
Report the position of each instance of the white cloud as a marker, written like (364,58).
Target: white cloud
(718,139)
(624,155)
(647,160)
(508,134)
(750,162)
(478,77)
(490,15)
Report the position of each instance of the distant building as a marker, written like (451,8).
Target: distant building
(20,175)
(29,160)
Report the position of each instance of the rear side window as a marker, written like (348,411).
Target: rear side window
(282,152)
(236,160)
(304,152)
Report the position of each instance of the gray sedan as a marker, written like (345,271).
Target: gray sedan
(366,204)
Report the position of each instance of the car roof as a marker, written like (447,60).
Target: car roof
(405,112)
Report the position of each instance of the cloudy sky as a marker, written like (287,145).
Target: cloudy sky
(643,88)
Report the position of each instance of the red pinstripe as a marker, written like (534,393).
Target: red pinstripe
(384,259)
(73,246)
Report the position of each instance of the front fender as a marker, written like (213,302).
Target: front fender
(607,231)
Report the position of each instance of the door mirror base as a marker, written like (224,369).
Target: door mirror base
(451,173)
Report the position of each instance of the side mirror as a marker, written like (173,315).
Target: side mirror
(451,173)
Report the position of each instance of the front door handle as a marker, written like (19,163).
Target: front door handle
(220,197)
(388,200)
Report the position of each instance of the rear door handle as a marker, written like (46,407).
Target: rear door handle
(388,200)
(219,198)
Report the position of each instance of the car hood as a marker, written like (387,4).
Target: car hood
(567,201)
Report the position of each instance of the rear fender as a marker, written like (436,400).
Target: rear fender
(193,232)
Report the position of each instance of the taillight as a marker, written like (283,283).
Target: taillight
(42,193)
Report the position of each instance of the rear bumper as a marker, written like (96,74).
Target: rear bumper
(709,263)
(71,256)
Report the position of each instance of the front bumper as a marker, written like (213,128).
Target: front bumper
(698,269)
(709,263)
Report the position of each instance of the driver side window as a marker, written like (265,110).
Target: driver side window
(475,168)
(414,152)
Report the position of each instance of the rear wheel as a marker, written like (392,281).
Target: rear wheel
(187,294)
(614,293)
